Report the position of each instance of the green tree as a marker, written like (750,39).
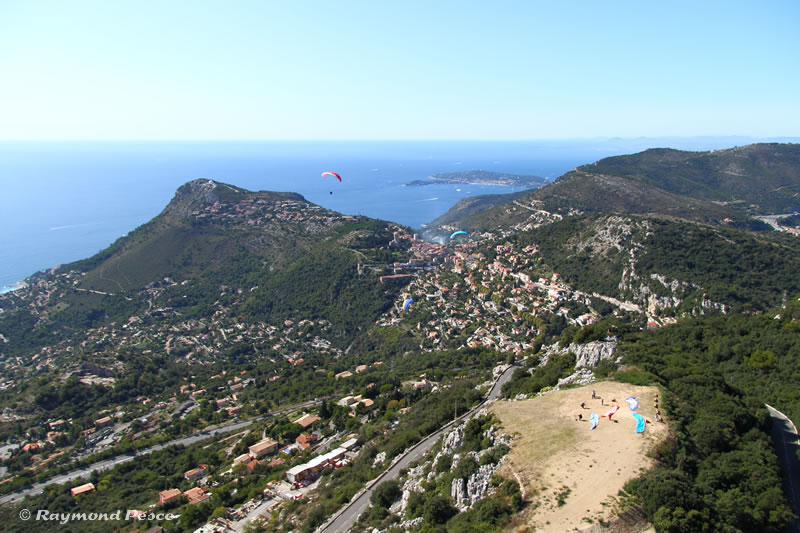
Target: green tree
(324,411)
(678,520)
(761,360)
(386,493)
(438,510)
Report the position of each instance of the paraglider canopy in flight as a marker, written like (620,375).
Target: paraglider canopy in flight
(459,233)
(328,173)
(407,303)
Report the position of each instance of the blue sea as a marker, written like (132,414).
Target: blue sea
(64,201)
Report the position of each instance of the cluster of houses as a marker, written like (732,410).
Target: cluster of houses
(492,298)
(354,401)
(303,473)
(251,459)
(193,495)
(358,370)
(425,255)
(269,446)
(259,211)
(195,341)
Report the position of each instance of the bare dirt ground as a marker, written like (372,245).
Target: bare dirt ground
(570,475)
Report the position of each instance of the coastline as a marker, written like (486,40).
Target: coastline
(15,287)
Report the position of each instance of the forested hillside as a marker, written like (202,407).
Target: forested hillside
(222,277)
(759,178)
(291,257)
(723,186)
(669,267)
(719,472)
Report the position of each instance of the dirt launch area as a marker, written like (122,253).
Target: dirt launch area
(572,475)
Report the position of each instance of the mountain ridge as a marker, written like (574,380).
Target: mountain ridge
(267,249)
(758,177)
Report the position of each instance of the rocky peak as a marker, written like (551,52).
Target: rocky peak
(197,193)
(200,193)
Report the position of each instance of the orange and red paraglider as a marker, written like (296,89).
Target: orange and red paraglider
(334,174)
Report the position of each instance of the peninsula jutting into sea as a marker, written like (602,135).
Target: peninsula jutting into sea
(482,177)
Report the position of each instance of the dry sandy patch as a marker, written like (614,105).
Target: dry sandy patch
(571,475)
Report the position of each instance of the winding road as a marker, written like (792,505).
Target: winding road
(784,435)
(345,518)
(114,461)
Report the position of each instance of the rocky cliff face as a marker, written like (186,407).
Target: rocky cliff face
(465,491)
(587,355)
(652,292)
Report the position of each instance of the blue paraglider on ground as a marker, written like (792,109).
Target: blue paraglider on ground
(640,423)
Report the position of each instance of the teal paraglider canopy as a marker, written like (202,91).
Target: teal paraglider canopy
(456,233)
(640,423)
(407,303)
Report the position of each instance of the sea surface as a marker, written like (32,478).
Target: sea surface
(65,201)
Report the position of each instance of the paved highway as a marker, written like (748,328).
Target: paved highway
(348,516)
(111,463)
(784,435)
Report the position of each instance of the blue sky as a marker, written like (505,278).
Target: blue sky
(397,70)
